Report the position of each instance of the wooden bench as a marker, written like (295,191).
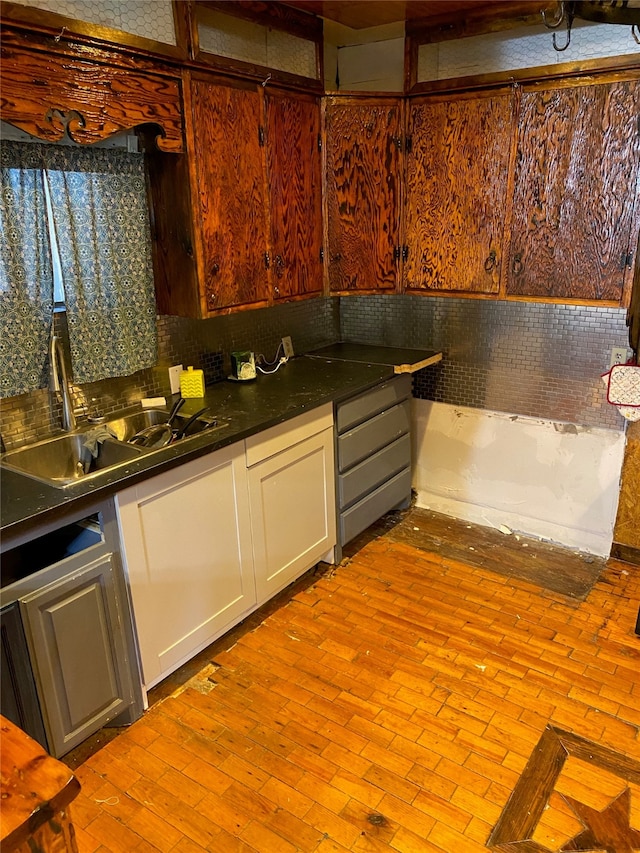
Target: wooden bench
(35,790)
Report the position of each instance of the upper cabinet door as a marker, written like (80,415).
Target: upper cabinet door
(295,195)
(456,189)
(362,161)
(231,217)
(575,187)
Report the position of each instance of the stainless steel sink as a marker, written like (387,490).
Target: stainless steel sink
(126,425)
(64,460)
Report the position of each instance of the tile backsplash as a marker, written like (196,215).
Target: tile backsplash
(525,358)
(202,343)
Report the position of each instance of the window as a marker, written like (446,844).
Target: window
(75,228)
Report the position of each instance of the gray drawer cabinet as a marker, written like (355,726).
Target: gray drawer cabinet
(373,456)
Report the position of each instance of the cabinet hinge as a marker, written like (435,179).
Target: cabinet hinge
(626,260)
(405,253)
(319,143)
(267,260)
(408,144)
(261,135)
(321,255)
(396,253)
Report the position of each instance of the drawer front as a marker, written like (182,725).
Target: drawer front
(369,474)
(371,402)
(283,436)
(374,434)
(369,509)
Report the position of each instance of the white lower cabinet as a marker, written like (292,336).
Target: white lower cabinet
(187,544)
(207,542)
(292,496)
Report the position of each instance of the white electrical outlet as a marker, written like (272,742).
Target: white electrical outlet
(174,378)
(287,347)
(619,355)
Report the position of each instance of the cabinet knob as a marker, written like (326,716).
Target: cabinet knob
(490,261)
(517,266)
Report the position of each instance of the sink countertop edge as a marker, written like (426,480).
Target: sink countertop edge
(301,385)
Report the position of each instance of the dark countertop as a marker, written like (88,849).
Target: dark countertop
(302,384)
(402,359)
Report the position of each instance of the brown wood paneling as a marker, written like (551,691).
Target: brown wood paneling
(295,194)
(362,164)
(37,87)
(230,190)
(575,185)
(456,182)
(172,233)
(627,528)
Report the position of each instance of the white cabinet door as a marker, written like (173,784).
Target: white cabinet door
(292,497)
(187,547)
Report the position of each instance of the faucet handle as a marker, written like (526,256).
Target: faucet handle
(95,415)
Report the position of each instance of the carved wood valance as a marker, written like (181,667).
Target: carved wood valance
(49,95)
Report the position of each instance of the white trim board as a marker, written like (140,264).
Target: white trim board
(546,479)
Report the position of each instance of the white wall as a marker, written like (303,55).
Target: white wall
(366,60)
(546,479)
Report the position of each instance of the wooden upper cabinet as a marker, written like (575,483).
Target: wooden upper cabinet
(48,94)
(229,194)
(295,195)
(456,190)
(237,222)
(363,140)
(575,189)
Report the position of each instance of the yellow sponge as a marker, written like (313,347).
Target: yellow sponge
(192,383)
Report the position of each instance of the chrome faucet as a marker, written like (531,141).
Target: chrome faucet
(60,383)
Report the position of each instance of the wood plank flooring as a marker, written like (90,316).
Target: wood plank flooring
(392,703)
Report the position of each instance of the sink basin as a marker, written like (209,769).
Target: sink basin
(60,461)
(128,424)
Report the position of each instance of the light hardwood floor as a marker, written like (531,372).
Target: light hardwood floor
(390,704)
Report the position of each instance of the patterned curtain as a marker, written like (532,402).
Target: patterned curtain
(26,275)
(101,223)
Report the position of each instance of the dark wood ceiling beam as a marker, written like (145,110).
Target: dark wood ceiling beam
(365,13)
(279,15)
(478,20)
